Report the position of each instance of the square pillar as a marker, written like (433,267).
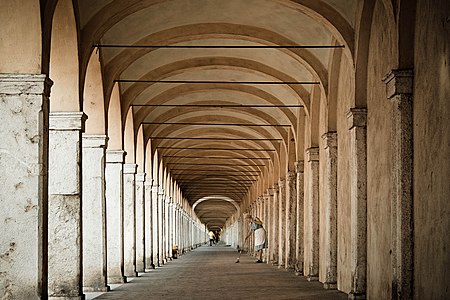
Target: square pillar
(357,120)
(129,219)
(275,225)
(140,222)
(148,220)
(23,194)
(114,215)
(160,227)
(282,223)
(299,239)
(269,223)
(311,216)
(94,213)
(64,205)
(155,223)
(291,214)
(399,90)
(329,245)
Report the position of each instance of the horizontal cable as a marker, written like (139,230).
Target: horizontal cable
(216,105)
(219,149)
(220,46)
(215,157)
(214,139)
(215,82)
(216,124)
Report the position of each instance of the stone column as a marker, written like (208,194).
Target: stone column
(299,240)
(269,223)
(160,227)
(399,89)
(129,219)
(140,222)
(265,216)
(23,192)
(64,205)
(155,223)
(357,120)
(94,213)
(282,223)
(148,224)
(275,225)
(114,215)
(311,269)
(330,210)
(291,214)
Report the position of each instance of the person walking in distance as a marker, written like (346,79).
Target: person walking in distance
(211,237)
(256,226)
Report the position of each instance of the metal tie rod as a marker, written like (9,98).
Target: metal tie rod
(219,149)
(216,124)
(221,46)
(206,164)
(216,157)
(213,139)
(214,82)
(218,105)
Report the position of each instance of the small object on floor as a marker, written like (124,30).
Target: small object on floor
(237,260)
(259,261)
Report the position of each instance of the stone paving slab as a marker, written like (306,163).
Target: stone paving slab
(211,273)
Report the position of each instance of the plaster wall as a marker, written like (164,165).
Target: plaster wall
(431,150)
(345,96)
(379,159)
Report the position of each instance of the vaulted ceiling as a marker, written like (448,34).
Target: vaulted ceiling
(189,70)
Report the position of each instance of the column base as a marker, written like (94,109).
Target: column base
(330,285)
(312,277)
(281,266)
(117,280)
(133,274)
(92,289)
(82,297)
(356,296)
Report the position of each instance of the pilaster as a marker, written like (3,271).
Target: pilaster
(311,268)
(399,90)
(114,215)
(282,223)
(24,103)
(64,205)
(357,120)
(299,240)
(140,222)
(291,213)
(330,210)
(94,213)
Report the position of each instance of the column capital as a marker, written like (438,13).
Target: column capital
(329,139)
(94,140)
(275,187)
(115,156)
(399,82)
(281,183)
(148,182)
(299,166)
(312,154)
(129,168)
(15,84)
(140,177)
(67,120)
(357,117)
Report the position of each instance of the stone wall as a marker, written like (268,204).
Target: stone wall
(431,150)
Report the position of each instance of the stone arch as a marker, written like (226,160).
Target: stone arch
(64,64)
(140,150)
(93,102)
(129,142)
(114,121)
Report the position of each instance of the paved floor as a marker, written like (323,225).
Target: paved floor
(211,273)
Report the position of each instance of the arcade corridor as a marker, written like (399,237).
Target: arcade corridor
(131,129)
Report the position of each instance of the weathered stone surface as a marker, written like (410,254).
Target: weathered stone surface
(275,225)
(282,223)
(299,240)
(114,215)
(64,205)
(291,212)
(23,185)
(129,219)
(311,211)
(94,213)
(140,222)
(148,224)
